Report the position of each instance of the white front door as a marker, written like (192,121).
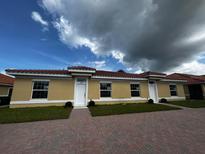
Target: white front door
(80,92)
(153,94)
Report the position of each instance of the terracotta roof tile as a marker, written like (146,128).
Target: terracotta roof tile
(191,79)
(4,79)
(116,74)
(37,71)
(149,73)
(104,73)
(81,68)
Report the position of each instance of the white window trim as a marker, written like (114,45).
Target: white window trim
(109,82)
(137,83)
(173,84)
(40,99)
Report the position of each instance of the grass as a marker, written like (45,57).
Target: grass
(102,110)
(17,115)
(190,103)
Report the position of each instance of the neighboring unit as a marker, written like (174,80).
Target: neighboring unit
(195,86)
(80,84)
(6,85)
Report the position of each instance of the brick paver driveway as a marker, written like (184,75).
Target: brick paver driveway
(181,131)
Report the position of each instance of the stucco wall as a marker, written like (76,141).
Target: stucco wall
(93,89)
(144,91)
(164,91)
(22,90)
(119,102)
(4,91)
(186,91)
(61,89)
(180,90)
(35,105)
(121,89)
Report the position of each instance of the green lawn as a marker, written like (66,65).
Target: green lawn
(190,103)
(17,115)
(102,110)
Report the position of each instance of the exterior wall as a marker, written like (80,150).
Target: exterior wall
(119,102)
(61,89)
(121,89)
(22,90)
(144,90)
(4,91)
(186,92)
(164,91)
(35,105)
(180,90)
(59,92)
(93,89)
(120,92)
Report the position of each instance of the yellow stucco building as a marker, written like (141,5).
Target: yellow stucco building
(81,84)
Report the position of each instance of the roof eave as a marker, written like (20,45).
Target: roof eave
(38,74)
(117,78)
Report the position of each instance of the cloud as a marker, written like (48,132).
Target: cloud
(150,34)
(193,67)
(98,64)
(38,18)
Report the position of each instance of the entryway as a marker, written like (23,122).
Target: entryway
(195,91)
(80,92)
(153,94)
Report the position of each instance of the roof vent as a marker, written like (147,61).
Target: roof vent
(121,71)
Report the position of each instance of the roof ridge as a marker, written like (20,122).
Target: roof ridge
(118,72)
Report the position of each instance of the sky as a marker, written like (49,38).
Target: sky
(157,35)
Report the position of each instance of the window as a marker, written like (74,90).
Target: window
(173,90)
(135,90)
(105,89)
(40,89)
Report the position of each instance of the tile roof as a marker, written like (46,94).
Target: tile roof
(37,71)
(191,79)
(117,74)
(149,73)
(4,79)
(102,73)
(81,68)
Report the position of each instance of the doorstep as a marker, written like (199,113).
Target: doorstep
(80,107)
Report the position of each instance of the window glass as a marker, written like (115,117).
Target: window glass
(40,89)
(105,89)
(135,90)
(173,90)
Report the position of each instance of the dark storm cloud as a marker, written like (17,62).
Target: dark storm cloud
(157,35)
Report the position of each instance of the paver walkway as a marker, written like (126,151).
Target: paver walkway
(178,131)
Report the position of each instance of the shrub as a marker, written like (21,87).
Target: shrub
(163,100)
(68,104)
(91,103)
(150,101)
